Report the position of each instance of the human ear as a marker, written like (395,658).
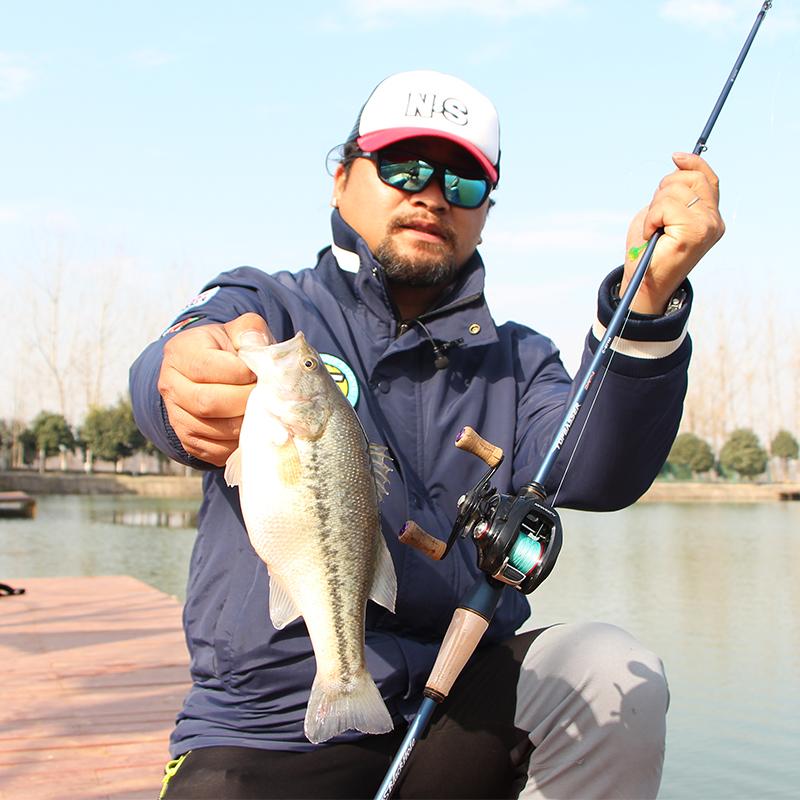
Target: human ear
(339,182)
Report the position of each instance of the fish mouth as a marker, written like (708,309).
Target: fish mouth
(282,349)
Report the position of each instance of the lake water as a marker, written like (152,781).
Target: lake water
(714,589)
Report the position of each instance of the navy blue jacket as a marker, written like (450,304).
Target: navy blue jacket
(251,682)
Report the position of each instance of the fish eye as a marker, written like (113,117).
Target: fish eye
(310,364)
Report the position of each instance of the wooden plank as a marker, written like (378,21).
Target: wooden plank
(24,504)
(94,672)
(14,497)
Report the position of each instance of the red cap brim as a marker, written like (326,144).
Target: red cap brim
(378,139)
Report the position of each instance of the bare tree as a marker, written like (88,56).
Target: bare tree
(54,323)
(711,398)
(745,370)
(100,331)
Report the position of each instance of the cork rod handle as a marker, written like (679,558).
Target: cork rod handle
(473,443)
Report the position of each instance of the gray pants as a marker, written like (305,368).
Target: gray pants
(572,712)
(580,708)
(594,702)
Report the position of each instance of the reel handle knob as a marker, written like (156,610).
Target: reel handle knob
(473,443)
(413,535)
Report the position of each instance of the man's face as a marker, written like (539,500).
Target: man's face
(419,238)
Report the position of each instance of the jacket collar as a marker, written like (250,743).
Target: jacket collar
(356,267)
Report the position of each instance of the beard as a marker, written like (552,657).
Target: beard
(430,264)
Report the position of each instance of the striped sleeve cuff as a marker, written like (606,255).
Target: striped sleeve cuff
(647,346)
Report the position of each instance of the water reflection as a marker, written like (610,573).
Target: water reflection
(713,589)
(155,519)
(148,538)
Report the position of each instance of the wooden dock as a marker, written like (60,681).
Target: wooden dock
(18,504)
(92,674)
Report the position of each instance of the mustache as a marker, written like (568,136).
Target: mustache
(408,219)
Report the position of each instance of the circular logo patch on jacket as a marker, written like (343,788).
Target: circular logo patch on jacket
(344,377)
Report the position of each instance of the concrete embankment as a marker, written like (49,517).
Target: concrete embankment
(101,483)
(701,492)
(191,486)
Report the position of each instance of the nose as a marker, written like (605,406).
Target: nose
(431,196)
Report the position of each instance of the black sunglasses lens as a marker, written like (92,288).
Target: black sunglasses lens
(414,174)
(464,192)
(410,176)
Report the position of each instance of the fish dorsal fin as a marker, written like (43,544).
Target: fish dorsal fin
(384,583)
(288,462)
(379,458)
(282,609)
(233,468)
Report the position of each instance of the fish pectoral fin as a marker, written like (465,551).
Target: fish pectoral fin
(282,609)
(380,460)
(288,462)
(384,583)
(233,468)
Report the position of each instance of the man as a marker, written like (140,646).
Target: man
(572,711)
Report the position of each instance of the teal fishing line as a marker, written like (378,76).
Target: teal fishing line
(525,554)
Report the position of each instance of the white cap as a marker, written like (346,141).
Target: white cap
(426,103)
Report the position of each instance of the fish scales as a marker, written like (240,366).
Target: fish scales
(330,528)
(310,484)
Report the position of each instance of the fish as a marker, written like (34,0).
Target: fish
(310,484)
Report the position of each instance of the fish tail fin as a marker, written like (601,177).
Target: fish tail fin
(335,707)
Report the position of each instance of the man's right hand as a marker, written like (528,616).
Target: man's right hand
(205,385)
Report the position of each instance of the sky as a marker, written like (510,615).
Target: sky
(145,147)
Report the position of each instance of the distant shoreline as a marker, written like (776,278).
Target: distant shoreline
(101,483)
(662,491)
(706,492)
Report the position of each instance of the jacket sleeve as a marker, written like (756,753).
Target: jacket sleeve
(623,431)
(149,410)
(228,296)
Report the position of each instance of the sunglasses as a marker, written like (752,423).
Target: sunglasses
(410,173)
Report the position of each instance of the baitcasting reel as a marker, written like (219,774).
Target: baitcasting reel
(518,536)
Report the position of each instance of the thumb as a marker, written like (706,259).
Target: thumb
(249,330)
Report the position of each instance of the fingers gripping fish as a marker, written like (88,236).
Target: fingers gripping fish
(310,484)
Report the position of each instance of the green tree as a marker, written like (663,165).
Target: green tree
(784,446)
(53,436)
(27,449)
(6,436)
(111,433)
(6,443)
(743,454)
(17,444)
(692,452)
(162,460)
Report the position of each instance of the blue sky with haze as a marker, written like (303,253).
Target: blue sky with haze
(190,138)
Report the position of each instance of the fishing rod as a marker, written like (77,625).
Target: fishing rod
(620,316)
(518,537)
